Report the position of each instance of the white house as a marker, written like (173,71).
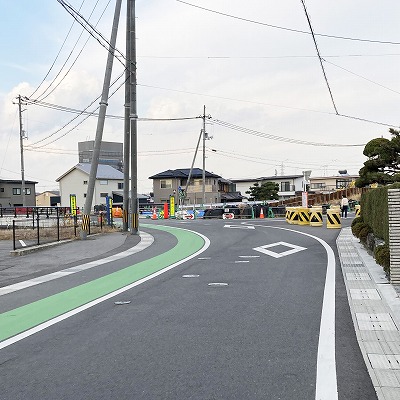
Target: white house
(288,185)
(75,181)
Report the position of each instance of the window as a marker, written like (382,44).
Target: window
(342,183)
(317,185)
(84,195)
(16,191)
(85,182)
(285,186)
(103,194)
(27,190)
(120,185)
(2,190)
(103,182)
(166,184)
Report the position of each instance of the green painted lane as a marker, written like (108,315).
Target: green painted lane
(23,318)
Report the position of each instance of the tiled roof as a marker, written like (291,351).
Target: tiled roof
(183,173)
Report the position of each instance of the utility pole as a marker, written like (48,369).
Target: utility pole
(100,124)
(204,156)
(127,125)
(133,121)
(21,144)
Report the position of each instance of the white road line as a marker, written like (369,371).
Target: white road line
(23,244)
(326,380)
(71,313)
(146,240)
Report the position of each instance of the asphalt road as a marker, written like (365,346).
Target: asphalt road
(240,321)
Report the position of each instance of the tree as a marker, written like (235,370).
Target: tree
(383,164)
(267,191)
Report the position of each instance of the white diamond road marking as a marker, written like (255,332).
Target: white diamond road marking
(294,249)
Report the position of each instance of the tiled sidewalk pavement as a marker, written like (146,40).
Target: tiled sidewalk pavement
(375,308)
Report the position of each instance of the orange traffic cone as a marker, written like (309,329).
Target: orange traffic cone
(154,216)
(261,213)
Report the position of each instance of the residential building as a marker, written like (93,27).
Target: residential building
(48,199)
(111,153)
(75,182)
(171,182)
(332,183)
(288,184)
(11,193)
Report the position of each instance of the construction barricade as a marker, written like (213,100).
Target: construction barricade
(303,216)
(293,216)
(316,216)
(358,210)
(333,220)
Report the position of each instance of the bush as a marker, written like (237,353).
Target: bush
(364,231)
(357,220)
(382,257)
(356,228)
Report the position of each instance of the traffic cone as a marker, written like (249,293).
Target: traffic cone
(261,213)
(154,216)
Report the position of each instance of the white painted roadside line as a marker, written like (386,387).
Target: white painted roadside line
(326,381)
(69,314)
(146,240)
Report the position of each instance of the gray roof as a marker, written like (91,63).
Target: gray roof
(268,178)
(183,173)
(103,171)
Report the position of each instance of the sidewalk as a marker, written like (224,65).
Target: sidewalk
(16,266)
(375,308)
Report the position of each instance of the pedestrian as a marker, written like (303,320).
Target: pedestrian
(344,205)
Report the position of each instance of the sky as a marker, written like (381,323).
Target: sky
(253,65)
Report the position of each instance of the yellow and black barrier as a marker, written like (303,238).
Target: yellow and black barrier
(333,220)
(303,216)
(293,216)
(316,216)
(358,210)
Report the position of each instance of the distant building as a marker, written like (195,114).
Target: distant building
(75,181)
(331,183)
(11,193)
(48,199)
(288,185)
(111,153)
(217,189)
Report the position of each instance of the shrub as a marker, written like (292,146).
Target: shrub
(364,231)
(356,228)
(382,257)
(357,220)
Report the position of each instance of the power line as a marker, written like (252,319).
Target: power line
(289,29)
(319,56)
(279,138)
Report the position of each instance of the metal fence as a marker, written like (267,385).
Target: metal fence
(39,226)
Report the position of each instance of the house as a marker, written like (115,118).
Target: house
(75,181)
(332,183)
(173,182)
(11,193)
(288,184)
(48,199)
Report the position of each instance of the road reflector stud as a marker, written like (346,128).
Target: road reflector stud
(218,284)
(333,220)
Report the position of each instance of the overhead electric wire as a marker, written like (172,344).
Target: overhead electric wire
(360,76)
(44,95)
(58,54)
(289,29)
(85,24)
(319,55)
(280,138)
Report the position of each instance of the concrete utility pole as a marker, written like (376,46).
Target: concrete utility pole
(127,126)
(100,124)
(21,144)
(204,156)
(133,120)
